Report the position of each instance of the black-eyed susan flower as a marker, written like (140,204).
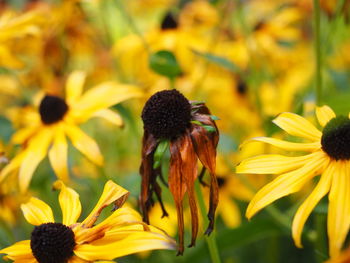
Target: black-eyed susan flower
(120,234)
(170,119)
(58,118)
(329,156)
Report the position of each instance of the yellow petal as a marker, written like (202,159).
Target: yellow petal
(272,164)
(23,135)
(112,193)
(84,143)
(37,212)
(134,242)
(229,211)
(297,126)
(102,97)
(289,146)
(58,154)
(34,154)
(339,208)
(309,204)
(324,115)
(286,184)
(20,251)
(110,116)
(76,259)
(13,165)
(74,86)
(69,202)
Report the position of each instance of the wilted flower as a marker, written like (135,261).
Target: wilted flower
(120,234)
(169,118)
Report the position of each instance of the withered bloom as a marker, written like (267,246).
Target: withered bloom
(170,119)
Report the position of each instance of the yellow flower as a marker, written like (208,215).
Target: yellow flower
(58,118)
(329,156)
(120,234)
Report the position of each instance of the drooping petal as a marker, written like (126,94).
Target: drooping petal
(102,97)
(74,86)
(177,187)
(69,202)
(338,220)
(84,143)
(286,184)
(205,144)
(13,165)
(272,164)
(22,135)
(109,115)
(189,172)
(37,212)
(19,252)
(58,154)
(309,204)
(112,193)
(289,146)
(149,144)
(324,115)
(34,154)
(297,126)
(134,242)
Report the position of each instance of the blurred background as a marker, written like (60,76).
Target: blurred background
(248,60)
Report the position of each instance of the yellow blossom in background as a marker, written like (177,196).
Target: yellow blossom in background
(328,155)
(58,118)
(120,234)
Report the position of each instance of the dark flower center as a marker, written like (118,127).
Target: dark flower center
(242,87)
(52,109)
(336,138)
(166,114)
(52,243)
(221,181)
(169,22)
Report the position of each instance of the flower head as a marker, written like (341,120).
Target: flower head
(120,234)
(58,118)
(329,155)
(170,119)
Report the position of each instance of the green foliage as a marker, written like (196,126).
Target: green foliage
(165,63)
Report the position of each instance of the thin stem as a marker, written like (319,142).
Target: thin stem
(211,241)
(318,53)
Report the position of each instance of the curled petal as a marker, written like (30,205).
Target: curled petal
(297,126)
(112,193)
(324,115)
(37,212)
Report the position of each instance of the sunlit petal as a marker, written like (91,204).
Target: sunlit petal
(19,251)
(34,154)
(297,126)
(324,115)
(74,86)
(58,154)
(134,243)
(69,202)
(309,204)
(339,208)
(37,212)
(286,184)
(289,146)
(272,164)
(110,116)
(84,143)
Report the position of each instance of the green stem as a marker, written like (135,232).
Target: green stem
(211,241)
(318,53)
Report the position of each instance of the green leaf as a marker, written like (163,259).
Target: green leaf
(214,118)
(209,128)
(164,63)
(158,154)
(197,122)
(221,61)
